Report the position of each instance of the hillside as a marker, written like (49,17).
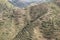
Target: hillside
(39,22)
(9,21)
(43,23)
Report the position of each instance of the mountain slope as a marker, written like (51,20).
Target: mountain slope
(39,22)
(26,3)
(43,23)
(11,20)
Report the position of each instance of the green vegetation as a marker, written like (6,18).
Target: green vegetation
(45,19)
(6,10)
